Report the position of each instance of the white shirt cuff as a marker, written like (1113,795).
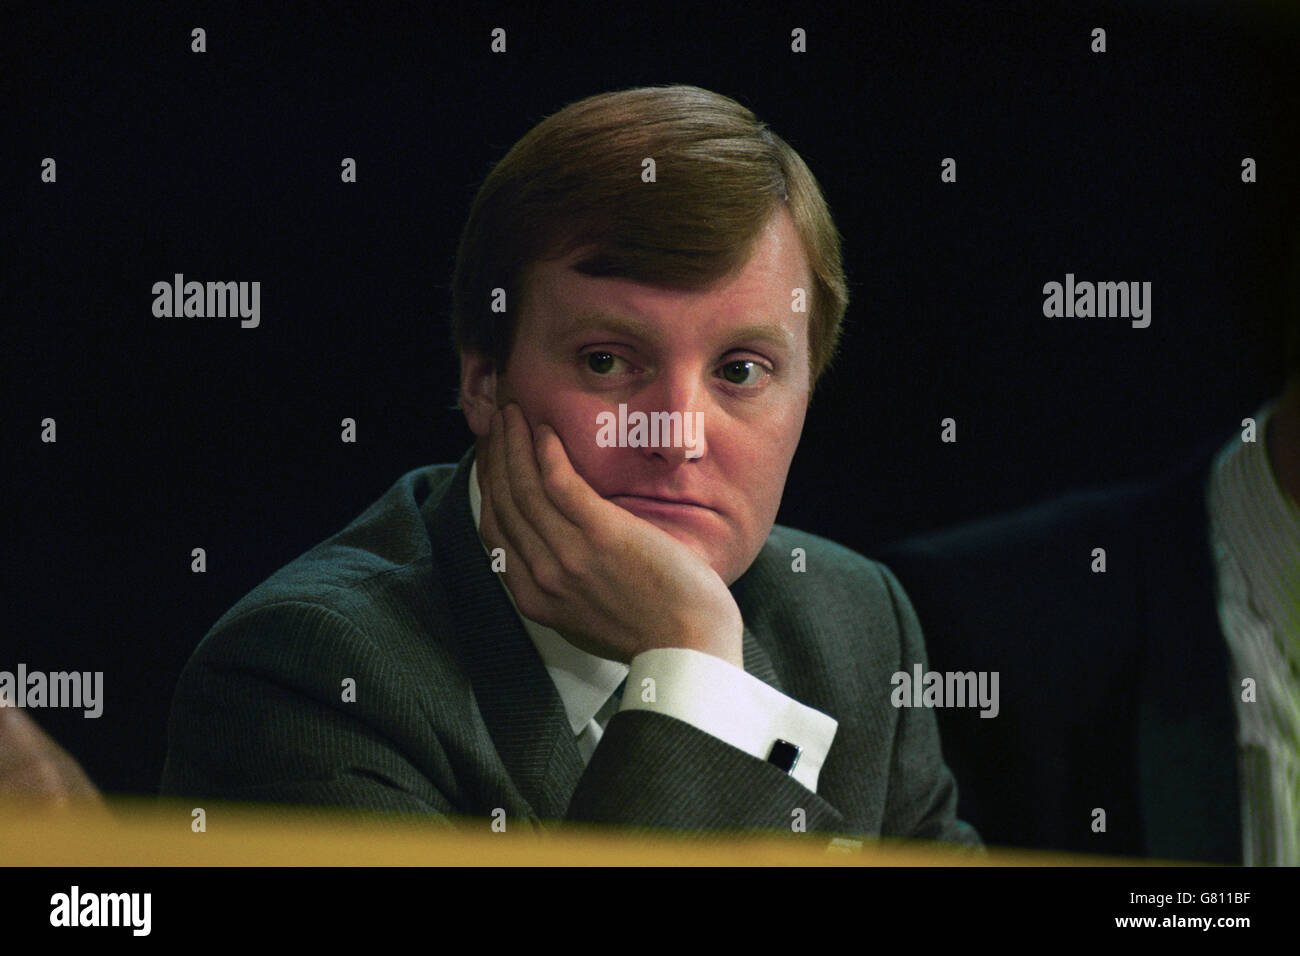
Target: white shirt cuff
(726,702)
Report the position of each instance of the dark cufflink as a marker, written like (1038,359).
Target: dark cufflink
(784,755)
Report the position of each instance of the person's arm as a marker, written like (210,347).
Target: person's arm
(728,703)
(651,770)
(619,587)
(689,746)
(35,769)
(260,715)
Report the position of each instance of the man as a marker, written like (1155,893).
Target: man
(559,629)
(1151,708)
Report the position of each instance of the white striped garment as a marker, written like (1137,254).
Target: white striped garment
(1255,540)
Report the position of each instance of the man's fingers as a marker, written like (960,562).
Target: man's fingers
(530,496)
(527,553)
(515,569)
(567,490)
(523,541)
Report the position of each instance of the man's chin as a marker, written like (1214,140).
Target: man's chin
(722,564)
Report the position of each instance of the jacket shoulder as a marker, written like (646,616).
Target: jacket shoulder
(371,583)
(804,591)
(811,570)
(389,539)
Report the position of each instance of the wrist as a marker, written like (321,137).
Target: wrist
(725,642)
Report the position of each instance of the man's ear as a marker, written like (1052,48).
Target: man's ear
(478,390)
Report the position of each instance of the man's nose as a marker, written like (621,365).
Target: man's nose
(676,407)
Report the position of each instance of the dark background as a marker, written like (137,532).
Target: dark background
(181,433)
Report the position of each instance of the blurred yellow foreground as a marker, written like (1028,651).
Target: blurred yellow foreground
(147,832)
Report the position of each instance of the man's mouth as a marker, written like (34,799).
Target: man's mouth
(660,504)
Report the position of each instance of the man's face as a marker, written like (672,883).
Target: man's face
(737,354)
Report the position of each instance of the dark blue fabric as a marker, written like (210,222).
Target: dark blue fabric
(1115,688)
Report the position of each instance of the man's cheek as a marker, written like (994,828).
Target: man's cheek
(557,419)
(578,434)
(598,466)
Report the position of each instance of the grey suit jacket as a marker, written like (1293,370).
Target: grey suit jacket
(455,714)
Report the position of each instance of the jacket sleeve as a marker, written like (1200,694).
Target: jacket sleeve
(262,714)
(921,802)
(653,770)
(259,715)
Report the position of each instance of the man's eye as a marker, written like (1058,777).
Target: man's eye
(601,362)
(743,372)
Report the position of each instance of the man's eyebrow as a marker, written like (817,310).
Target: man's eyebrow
(772,333)
(592,319)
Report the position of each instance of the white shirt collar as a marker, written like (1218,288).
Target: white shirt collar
(585,682)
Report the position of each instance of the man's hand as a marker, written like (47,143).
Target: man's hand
(36,769)
(612,583)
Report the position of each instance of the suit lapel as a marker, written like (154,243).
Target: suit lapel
(516,696)
(754,592)
(1187,722)
(758,662)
